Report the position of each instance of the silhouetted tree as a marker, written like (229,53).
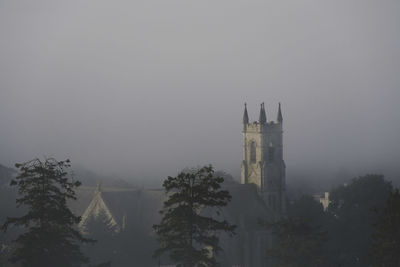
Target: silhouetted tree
(189,237)
(51,239)
(385,247)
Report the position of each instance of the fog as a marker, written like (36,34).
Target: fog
(144,88)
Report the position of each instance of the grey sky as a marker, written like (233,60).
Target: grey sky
(149,87)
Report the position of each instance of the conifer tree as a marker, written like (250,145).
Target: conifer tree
(50,238)
(186,233)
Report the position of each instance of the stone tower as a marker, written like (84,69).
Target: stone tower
(263,163)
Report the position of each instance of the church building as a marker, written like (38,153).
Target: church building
(260,195)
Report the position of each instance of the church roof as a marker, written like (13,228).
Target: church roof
(140,208)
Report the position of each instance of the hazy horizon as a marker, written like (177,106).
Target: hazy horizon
(145,88)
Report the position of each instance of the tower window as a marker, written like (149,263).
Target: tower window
(253,152)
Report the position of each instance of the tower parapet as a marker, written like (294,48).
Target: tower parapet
(263,163)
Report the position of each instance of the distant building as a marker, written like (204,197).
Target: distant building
(323,199)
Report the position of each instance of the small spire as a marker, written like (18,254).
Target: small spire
(245,115)
(98,186)
(279,118)
(263,116)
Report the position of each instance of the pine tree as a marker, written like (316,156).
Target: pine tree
(50,238)
(185,232)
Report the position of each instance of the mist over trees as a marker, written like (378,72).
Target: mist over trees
(360,227)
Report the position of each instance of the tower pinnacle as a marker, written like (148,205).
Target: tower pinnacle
(245,115)
(279,117)
(263,116)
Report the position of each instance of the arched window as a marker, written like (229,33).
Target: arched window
(253,156)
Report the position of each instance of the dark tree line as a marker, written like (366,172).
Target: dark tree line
(385,247)
(299,236)
(360,228)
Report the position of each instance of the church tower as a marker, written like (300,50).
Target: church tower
(263,163)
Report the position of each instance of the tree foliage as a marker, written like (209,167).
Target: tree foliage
(351,218)
(385,247)
(298,237)
(342,236)
(190,237)
(50,238)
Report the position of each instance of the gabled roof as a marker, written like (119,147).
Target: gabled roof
(123,208)
(97,208)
